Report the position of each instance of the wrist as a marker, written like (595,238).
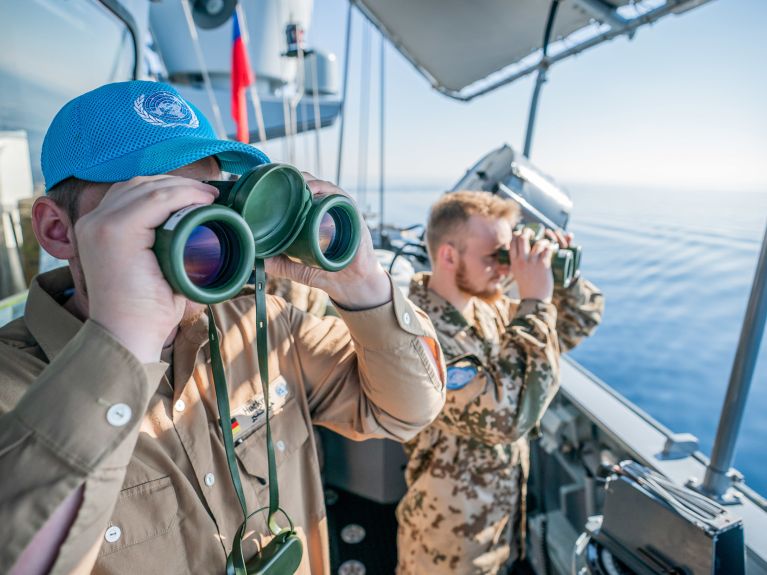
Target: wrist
(536,294)
(147,347)
(369,291)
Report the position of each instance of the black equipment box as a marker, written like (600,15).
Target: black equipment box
(654,526)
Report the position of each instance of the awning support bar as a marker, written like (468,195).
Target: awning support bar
(540,79)
(603,11)
(717,480)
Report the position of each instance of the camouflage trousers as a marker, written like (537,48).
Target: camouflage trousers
(461,526)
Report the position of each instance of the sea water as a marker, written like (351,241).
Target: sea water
(676,269)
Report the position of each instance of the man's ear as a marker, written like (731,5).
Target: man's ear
(53,229)
(447,256)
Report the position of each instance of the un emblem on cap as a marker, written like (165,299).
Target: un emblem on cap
(166,110)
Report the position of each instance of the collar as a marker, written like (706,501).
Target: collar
(52,326)
(444,315)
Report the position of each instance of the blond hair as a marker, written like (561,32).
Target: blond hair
(452,211)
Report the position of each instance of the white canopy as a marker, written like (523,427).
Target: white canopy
(467,47)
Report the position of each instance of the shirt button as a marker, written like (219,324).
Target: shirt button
(281,445)
(113,533)
(210,479)
(180,405)
(119,414)
(406,318)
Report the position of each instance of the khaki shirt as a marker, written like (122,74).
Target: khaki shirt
(78,408)
(467,471)
(309,299)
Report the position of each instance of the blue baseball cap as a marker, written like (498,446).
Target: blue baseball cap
(128,129)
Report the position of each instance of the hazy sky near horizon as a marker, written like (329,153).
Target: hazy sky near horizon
(681,106)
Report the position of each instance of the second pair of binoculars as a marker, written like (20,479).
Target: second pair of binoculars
(565,263)
(207,252)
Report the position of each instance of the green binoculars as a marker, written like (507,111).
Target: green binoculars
(565,264)
(207,252)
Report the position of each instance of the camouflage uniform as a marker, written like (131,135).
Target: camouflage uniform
(467,472)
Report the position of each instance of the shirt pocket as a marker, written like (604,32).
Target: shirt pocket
(143,533)
(289,433)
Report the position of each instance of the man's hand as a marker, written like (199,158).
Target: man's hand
(564,239)
(531,266)
(127,292)
(362,284)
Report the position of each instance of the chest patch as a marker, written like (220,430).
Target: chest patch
(460,374)
(250,416)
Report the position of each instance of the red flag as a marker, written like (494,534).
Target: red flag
(242,77)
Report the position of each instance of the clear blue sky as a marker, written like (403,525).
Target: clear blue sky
(681,106)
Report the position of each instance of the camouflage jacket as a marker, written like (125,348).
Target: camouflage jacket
(579,312)
(467,471)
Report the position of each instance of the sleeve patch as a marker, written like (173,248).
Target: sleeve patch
(458,376)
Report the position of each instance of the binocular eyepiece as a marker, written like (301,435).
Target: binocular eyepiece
(207,252)
(565,263)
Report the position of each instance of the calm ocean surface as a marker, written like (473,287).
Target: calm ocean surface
(676,269)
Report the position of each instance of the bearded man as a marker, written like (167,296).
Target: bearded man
(467,472)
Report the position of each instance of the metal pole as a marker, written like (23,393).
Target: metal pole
(716,481)
(317,117)
(543,66)
(343,95)
(382,146)
(254,97)
(539,81)
(218,120)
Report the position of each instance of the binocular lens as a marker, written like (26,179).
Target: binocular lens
(336,231)
(327,233)
(204,254)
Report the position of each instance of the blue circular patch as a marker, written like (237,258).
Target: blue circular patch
(166,110)
(458,376)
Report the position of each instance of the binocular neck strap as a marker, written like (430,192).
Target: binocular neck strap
(235,561)
(263,370)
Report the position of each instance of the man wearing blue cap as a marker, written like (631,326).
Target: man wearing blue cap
(111,454)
